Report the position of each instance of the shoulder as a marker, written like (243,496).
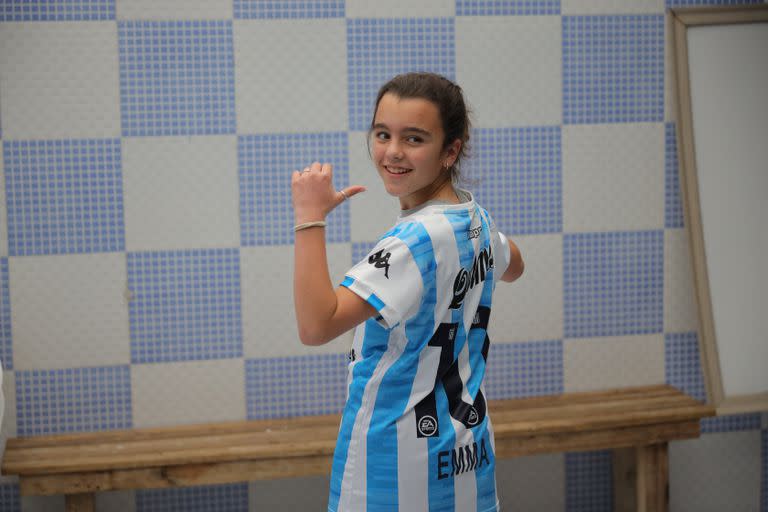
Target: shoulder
(416,233)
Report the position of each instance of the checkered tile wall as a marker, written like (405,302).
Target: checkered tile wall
(145,214)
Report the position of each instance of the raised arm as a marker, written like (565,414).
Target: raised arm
(322,311)
(516,264)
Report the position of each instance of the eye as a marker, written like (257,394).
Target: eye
(382,135)
(414,139)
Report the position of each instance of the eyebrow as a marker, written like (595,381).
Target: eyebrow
(406,129)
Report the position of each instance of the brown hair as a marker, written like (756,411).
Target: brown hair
(449,99)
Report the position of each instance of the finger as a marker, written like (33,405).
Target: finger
(346,193)
(316,167)
(354,190)
(327,168)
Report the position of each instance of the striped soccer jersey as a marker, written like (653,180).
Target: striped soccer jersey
(415,434)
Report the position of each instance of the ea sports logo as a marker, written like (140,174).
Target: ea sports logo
(427,426)
(473,417)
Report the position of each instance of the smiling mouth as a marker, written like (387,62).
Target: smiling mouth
(391,169)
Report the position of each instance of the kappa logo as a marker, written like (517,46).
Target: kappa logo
(380,260)
(427,426)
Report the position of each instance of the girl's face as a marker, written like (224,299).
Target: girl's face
(407,149)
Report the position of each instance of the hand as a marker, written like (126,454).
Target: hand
(314,195)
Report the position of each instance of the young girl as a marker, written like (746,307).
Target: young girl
(415,434)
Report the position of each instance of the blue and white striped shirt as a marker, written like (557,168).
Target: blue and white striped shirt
(415,434)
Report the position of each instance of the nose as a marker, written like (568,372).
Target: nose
(394,150)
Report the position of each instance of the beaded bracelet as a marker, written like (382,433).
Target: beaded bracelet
(299,227)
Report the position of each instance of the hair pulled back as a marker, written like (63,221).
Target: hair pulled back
(443,93)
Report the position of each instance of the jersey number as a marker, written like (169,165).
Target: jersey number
(469,415)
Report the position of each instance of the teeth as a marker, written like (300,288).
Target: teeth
(397,170)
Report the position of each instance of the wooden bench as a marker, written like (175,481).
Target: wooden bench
(637,423)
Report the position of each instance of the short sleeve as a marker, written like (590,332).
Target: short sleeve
(501,254)
(389,280)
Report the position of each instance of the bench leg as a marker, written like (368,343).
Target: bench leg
(641,479)
(80,502)
(653,478)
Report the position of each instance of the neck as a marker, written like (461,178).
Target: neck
(446,192)
(441,188)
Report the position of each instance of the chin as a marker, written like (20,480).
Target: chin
(393,192)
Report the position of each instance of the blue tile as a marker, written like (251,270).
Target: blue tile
(290,9)
(57,10)
(517,370)
(379,49)
(73,400)
(682,363)
(64,196)
(589,482)
(673,199)
(507,7)
(10,498)
(295,386)
(6,343)
(185,305)
(360,250)
(613,69)
(613,283)
(731,423)
(520,177)
(265,165)
(208,498)
(177,77)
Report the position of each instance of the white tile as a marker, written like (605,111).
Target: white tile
(527,483)
(291,75)
(400,9)
(3,210)
(69,311)
(116,501)
(281,496)
(269,320)
(173,9)
(8,427)
(373,212)
(613,362)
(715,472)
(59,80)
(670,102)
(188,392)
(8,413)
(600,7)
(181,192)
(43,503)
(525,89)
(613,177)
(531,308)
(680,309)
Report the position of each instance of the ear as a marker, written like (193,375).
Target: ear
(451,153)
